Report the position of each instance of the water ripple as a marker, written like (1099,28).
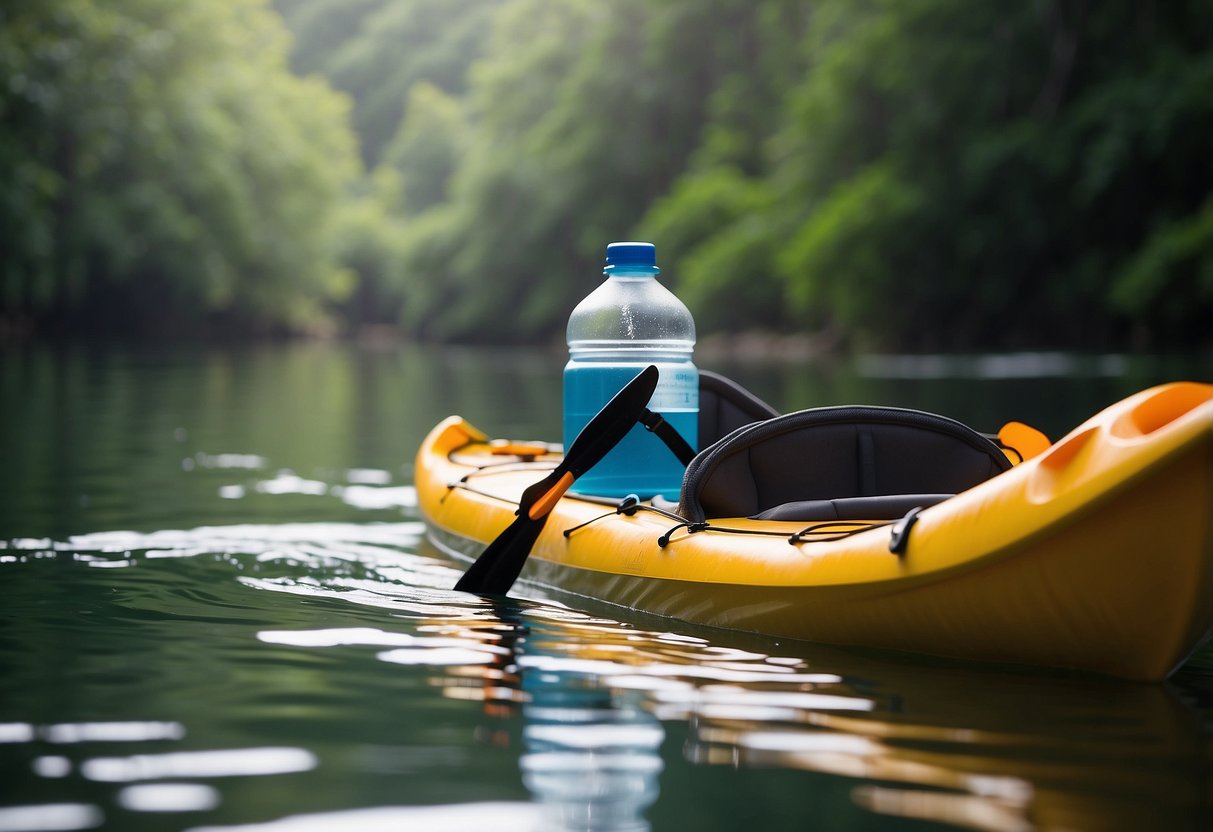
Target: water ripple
(301,628)
(168,797)
(240,762)
(50,817)
(498,816)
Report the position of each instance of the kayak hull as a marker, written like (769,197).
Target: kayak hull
(1096,555)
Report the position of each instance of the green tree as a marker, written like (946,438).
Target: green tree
(428,147)
(377,50)
(968,173)
(719,225)
(909,173)
(582,114)
(167,169)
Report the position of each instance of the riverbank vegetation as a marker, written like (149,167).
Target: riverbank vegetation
(935,174)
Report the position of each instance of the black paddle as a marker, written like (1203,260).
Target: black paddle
(495,571)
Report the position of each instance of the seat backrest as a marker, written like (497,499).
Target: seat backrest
(836,453)
(724,406)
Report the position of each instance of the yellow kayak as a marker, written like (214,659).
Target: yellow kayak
(1095,554)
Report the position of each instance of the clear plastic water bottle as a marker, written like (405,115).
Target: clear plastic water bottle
(627,323)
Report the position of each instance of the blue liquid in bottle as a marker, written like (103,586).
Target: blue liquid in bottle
(627,323)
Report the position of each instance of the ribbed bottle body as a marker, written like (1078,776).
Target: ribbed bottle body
(626,324)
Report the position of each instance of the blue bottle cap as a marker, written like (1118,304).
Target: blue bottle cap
(631,256)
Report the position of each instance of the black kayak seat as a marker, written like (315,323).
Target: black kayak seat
(837,463)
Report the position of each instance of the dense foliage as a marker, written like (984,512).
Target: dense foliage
(164,170)
(901,173)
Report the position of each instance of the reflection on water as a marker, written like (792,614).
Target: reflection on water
(973,750)
(222,614)
(601,721)
(592,761)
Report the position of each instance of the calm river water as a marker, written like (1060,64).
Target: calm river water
(220,612)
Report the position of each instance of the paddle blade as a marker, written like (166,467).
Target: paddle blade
(611,424)
(499,565)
